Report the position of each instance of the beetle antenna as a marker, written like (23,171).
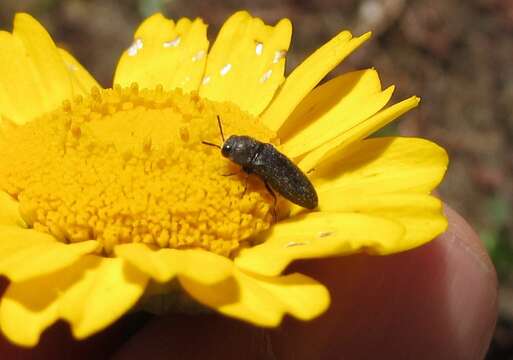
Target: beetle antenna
(220,127)
(211,144)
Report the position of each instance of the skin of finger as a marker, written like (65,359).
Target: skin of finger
(435,302)
(198,337)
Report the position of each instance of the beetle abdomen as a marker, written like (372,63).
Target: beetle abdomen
(284,177)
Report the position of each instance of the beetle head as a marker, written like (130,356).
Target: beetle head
(239,149)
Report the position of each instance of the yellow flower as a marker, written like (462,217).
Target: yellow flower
(109,196)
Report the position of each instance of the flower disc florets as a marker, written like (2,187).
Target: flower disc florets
(124,165)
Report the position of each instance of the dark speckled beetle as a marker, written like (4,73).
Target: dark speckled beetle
(274,168)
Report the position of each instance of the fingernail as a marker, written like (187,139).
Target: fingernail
(472,295)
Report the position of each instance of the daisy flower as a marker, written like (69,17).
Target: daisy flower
(109,197)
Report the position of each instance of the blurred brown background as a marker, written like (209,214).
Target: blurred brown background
(457,55)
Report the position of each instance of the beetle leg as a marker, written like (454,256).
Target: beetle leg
(231,174)
(275,200)
(243,169)
(245,185)
(245,180)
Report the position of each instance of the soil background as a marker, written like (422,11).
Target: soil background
(457,55)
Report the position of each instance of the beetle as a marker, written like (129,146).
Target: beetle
(276,170)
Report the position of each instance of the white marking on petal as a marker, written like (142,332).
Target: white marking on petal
(225,69)
(259,48)
(72,67)
(295,243)
(324,234)
(199,55)
(278,55)
(186,80)
(266,76)
(172,43)
(206,80)
(135,47)
(132,51)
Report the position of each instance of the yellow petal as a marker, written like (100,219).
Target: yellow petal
(34,79)
(25,253)
(162,265)
(159,264)
(420,215)
(301,296)
(384,165)
(321,100)
(318,235)
(205,267)
(260,300)
(307,75)
(82,80)
(330,123)
(9,211)
(91,294)
(247,61)
(28,308)
(357,132)
(165,53)
(101,296)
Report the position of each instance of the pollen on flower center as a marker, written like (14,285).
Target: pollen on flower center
(124,165)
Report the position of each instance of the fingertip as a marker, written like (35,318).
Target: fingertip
(437,301)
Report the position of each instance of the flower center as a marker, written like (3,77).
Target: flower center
(124,165)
